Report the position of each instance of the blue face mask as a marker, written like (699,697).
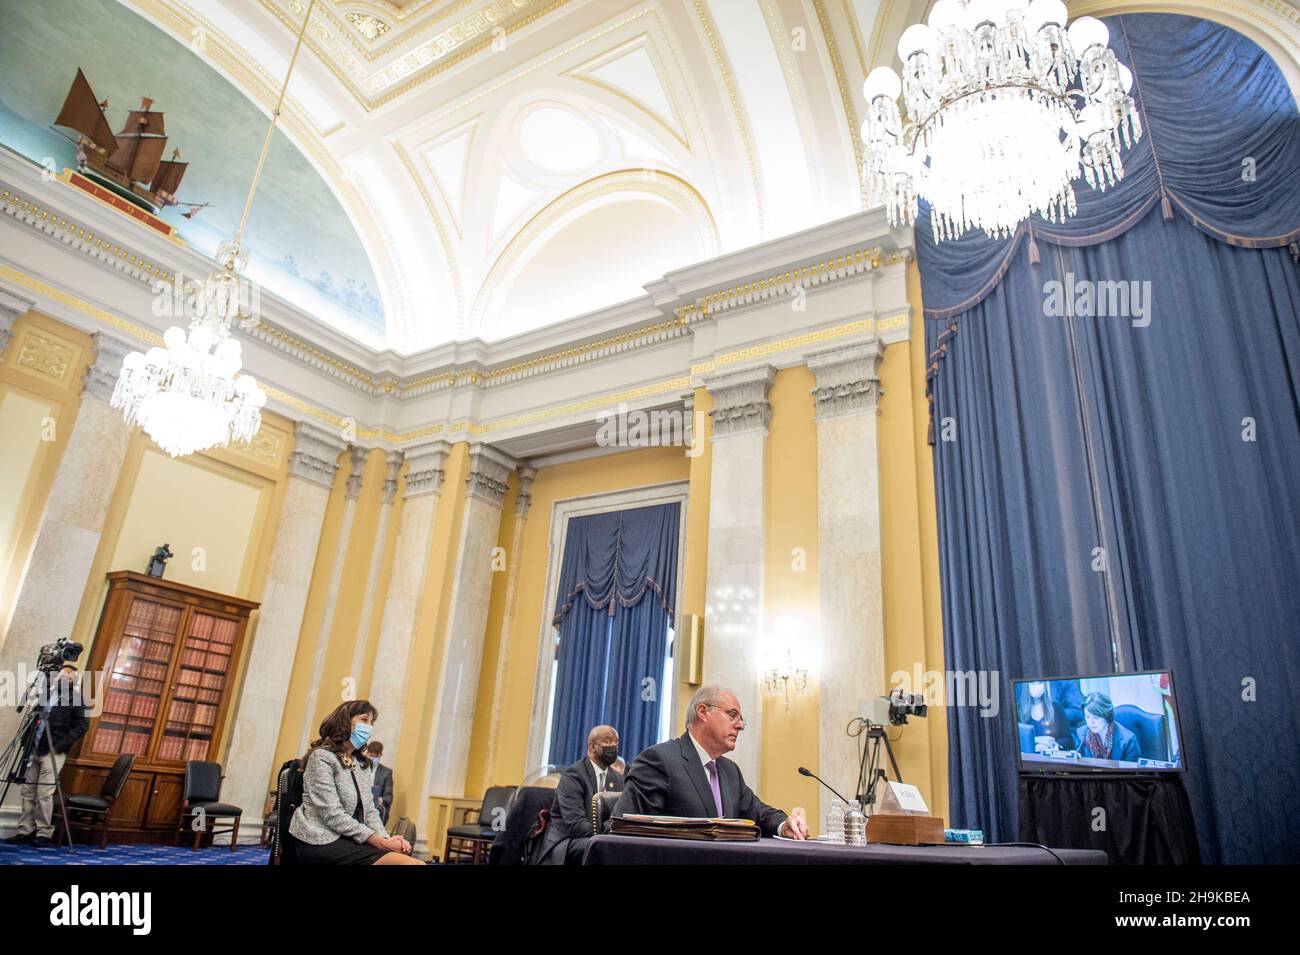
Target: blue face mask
(361,734)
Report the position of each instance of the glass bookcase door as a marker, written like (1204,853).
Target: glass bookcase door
(202,669)
(138,679)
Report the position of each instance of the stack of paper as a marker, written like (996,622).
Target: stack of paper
(686,827)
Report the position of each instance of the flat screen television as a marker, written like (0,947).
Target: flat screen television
(1116,722)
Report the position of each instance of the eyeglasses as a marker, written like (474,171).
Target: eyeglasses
(733,715)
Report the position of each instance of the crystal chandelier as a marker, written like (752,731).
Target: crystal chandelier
(189,395)
(1005,109)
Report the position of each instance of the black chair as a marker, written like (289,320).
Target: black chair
(95,810)
(475,836)
(602,808)
(511,843)
(288,797)
(200,800)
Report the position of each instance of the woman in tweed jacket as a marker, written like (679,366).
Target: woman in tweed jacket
(337,823)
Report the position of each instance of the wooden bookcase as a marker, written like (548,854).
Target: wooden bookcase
(168,655)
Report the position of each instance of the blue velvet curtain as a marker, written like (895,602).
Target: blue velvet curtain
(1116,493)
(613,610)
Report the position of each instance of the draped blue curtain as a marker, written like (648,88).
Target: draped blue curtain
(1116,493)
(614,606)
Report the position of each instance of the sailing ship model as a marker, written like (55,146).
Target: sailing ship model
(130,162)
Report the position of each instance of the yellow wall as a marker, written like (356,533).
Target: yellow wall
(790,737)
(910,559)
(40,384)
(615,472)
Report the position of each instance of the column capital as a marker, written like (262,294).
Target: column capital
(489,469)
(101,376)
(740,404)
(524,498)
(358,455)
(12,307)
(393,463)
(315,454)
(848,380)
(424,476)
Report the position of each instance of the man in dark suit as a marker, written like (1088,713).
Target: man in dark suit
(690,776)
(570,828)
(383,787)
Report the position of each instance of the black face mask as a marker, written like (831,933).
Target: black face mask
(608,754)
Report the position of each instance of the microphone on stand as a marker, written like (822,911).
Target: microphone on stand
(804,771)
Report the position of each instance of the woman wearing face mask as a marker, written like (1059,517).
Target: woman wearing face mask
(337,823)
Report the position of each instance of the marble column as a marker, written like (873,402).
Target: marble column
(45,607)
(318,698)
(424,475)
(733,612)
(848,557)
(456,688)
(523,502)
(365,623)
(249,759)
(12,307)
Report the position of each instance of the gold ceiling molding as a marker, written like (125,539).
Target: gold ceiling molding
(858,48)
(845,96)
(52,221)
(32,283)
(736,111)
(640,42)
(455,43)
(767,349)
(448,249)
(559,411)
(877,35)
(368,25)
(782,282)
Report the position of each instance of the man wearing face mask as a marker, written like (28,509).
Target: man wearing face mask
(570,828)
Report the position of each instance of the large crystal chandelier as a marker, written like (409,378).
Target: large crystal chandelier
(1005,109)
(189,395)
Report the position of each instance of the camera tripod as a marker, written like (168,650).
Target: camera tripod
(870,773)
(22,749)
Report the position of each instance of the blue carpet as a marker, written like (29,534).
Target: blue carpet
(132,855)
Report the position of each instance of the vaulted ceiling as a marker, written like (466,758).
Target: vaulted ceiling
(512,163)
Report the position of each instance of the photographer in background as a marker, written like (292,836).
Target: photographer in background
(62,724)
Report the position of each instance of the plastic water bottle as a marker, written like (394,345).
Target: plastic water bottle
(855,826)
(835,822)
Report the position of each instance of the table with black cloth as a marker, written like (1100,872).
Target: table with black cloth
(1148,819)
(647,850)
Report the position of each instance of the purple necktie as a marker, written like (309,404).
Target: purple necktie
(712,767)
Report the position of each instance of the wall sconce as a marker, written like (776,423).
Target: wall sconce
(787,666)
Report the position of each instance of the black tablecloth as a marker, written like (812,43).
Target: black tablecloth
(1136,820)
(643,850)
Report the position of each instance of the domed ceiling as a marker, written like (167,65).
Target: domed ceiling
(476,168)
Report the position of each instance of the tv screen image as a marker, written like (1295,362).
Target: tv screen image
(1104,723)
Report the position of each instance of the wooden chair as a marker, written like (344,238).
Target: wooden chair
(474,837)
(95,810)
(200,801)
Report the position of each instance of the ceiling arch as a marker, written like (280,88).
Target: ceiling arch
(648,222)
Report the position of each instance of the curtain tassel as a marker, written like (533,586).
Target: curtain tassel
(1166,207)
(1034,258)
(1295,252)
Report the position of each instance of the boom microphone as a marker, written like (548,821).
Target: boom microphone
(804,771)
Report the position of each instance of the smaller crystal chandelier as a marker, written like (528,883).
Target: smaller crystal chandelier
(1005,108)
(189,396)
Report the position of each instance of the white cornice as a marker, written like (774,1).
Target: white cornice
(717,316)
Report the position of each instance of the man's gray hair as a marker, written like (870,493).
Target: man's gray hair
(708,695)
